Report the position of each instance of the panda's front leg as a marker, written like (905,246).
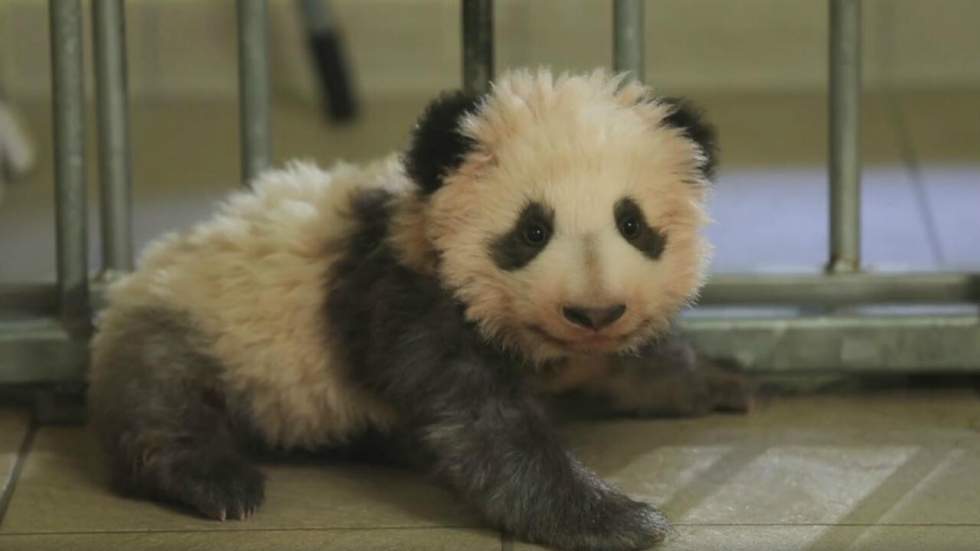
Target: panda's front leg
(490,441)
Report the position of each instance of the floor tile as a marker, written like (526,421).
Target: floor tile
(63,488)
(727,538)
(822,538)
(884,457)
(14,423)
(262,540)
(875,469)
(814,538)
(941,488)
(792,485)
(900,538)
(885,469)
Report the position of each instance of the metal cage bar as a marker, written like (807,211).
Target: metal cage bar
(629,46)
(859,342)
(845,136)
(114,155)
(843,289)
(69,146)
(253,87)
(477,16)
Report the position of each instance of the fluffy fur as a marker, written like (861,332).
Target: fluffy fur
(582,143)
(250,285)
(431,299)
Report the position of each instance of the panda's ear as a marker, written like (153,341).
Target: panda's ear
(437,144)
(687,117)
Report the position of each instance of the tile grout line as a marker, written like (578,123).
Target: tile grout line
(141,531)
(507,543)
(10,484)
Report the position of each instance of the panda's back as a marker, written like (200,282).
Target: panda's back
(250,283)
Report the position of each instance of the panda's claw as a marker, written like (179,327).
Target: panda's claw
(222,488)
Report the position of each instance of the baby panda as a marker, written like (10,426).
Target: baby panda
(534,241)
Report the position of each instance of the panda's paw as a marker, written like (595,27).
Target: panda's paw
(617,523)
(708,386)
(630,525)
(225,488)
(729,388)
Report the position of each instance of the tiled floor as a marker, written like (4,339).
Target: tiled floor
(891,468)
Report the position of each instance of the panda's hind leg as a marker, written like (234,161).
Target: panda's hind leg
(666,379)
(156,405)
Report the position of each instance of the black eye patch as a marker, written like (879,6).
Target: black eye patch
(528,237)
(632,225)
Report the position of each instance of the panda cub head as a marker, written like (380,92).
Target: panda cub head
(565,212)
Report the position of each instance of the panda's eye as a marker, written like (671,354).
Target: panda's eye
(629,226)
(633,226)
(535,233)
(525,239)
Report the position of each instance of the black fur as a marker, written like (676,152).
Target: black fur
(512,250)
(667,378)
(437,146)
(648,240)
(164,423)
(466,404)
(689,118)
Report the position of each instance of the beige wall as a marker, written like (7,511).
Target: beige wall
(186,47)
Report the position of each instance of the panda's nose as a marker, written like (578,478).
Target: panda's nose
(594,318)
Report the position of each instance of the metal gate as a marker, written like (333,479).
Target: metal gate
(842,320)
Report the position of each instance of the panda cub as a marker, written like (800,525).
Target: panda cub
(530,242)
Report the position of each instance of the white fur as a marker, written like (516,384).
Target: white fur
(578,144)
(252,280)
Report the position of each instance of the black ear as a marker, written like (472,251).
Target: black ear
(437,146)
(691,119)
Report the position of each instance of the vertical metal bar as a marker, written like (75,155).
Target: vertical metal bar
(69,147)
(477,46)
(628,37)
(253,86)
(845,135)
(114,157)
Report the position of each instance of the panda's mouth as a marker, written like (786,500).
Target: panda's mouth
(540,331)
(595,341)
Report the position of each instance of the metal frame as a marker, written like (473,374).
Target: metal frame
(253,87)
(833,321)
(69,151)
(477,24)
(844,342)
(109,21)
(629,46)
(845,136)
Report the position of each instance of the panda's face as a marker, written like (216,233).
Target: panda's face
(572,226)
